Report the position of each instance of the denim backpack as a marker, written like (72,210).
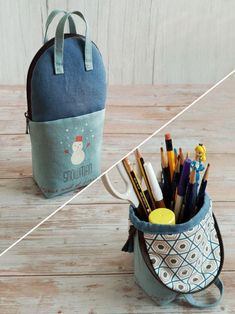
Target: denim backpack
(177,260)
(66,94)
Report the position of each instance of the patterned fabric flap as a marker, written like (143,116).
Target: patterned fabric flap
(186,261)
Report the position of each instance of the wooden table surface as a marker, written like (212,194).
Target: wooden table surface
(73,263)
(22,205)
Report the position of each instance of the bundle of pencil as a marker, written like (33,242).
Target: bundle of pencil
(179,186)
(137,187)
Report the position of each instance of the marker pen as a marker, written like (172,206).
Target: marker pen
(154,185)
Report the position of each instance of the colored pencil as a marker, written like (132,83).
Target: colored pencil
(176,178)
(170,154)
(140,161)
(181,159)
(166,187)
(137,187)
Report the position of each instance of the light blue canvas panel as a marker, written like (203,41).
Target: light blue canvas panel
(66,153)
(144,278)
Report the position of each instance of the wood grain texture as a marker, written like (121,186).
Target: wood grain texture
(165,99)
(24,189)
(83,239)
(93,295)
(20,196)
(17,188)
(73,262)
(142,42)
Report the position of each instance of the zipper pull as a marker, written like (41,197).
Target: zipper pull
(27,122)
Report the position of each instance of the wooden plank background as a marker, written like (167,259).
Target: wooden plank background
(73,262)
(22,205)
(142,42)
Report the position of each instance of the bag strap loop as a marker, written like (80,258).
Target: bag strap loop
(51,16)
(59,44)
(191,300)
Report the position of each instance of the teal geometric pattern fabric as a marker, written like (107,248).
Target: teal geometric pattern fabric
(187,261)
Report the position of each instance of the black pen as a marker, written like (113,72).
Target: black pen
(202,190)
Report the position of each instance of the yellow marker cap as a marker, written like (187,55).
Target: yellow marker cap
(162,216)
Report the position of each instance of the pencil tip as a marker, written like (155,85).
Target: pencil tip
(125,159)
(167,136)
(206,174)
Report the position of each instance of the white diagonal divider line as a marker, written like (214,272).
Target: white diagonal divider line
(148,138)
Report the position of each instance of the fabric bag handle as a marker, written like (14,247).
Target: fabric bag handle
(59,44)
(51,16)
(191,300)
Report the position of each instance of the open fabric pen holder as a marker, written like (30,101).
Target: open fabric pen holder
(181,259)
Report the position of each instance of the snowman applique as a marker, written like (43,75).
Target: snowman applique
(78,154)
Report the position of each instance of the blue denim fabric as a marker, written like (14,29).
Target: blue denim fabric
(74,93)
(170,229)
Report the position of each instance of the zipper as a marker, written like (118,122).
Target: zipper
(27,122)
(47,45)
